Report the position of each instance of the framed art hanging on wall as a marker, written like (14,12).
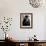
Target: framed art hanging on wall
(26,20)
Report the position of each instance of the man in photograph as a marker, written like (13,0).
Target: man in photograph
(26,21)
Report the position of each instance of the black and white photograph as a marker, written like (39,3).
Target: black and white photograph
(26,20)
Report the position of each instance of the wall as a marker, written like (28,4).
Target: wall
(13,8)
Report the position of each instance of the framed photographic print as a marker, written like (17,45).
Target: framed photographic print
(26,20)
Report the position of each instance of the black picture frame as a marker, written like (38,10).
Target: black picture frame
(30,17)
